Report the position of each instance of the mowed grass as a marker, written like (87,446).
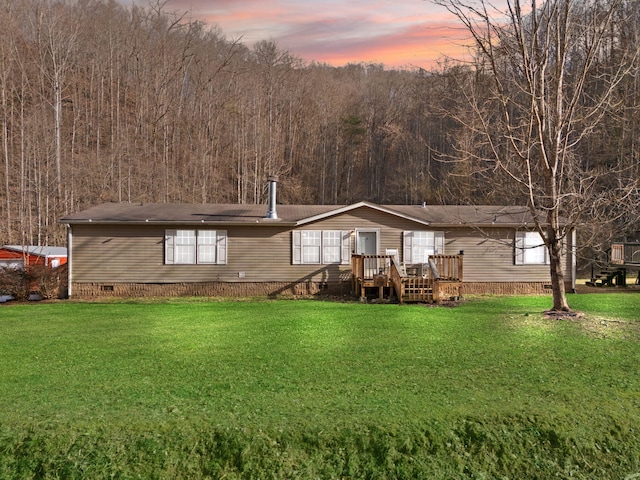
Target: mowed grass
(309,389)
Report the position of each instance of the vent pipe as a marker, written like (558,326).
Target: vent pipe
(271,211)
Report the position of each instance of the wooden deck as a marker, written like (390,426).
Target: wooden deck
(438,279)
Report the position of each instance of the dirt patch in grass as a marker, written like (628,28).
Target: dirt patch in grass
(609,328)
(593,325)
(598,326)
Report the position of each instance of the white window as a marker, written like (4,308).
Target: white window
(418,245)
(331,246)
(207,246)
(195,246)
(311,247)
(320,247)
(530,249)
(185,250)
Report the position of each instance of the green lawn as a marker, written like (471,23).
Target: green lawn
(310,389)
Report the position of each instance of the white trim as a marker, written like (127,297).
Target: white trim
(574,261)
(358,231)
(69,262)
(348,208)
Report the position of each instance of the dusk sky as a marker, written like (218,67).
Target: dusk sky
(397,33)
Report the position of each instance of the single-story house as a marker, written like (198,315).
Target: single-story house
(18,256)
(137,249)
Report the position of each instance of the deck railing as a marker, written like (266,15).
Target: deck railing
(625,253)
(439,267)
(396,278)
(366,267)
(449,267)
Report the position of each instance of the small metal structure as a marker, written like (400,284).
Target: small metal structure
(624,256)
(625,253)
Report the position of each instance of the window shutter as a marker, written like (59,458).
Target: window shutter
(169,246)
(438,247)
(221,247)
(407,246)
(296,247)
(520,245)
(345,256)
(324,236)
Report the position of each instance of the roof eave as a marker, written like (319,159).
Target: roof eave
(262,222)
(484,225)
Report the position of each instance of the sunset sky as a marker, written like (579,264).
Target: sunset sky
(397,33)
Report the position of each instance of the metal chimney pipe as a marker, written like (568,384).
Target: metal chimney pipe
(271,210)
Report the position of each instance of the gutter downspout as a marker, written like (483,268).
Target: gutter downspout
(574,260)
(69,262)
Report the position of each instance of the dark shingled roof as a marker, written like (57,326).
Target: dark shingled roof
(477,215)
(192,213)
(293,215)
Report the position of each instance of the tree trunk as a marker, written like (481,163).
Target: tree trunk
(554,246)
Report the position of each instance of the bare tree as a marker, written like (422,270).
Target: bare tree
(57,34)
(539,60)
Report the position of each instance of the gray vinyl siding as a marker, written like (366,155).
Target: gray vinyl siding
(489,256)
(135,253)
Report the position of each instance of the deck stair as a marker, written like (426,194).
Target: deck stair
(417,290)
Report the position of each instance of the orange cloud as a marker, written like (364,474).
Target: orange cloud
(412,33)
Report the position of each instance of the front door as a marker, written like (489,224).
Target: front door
(367,243)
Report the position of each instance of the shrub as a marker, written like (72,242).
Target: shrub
(46,281)
(13,281)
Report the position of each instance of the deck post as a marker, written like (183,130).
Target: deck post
(435,290)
